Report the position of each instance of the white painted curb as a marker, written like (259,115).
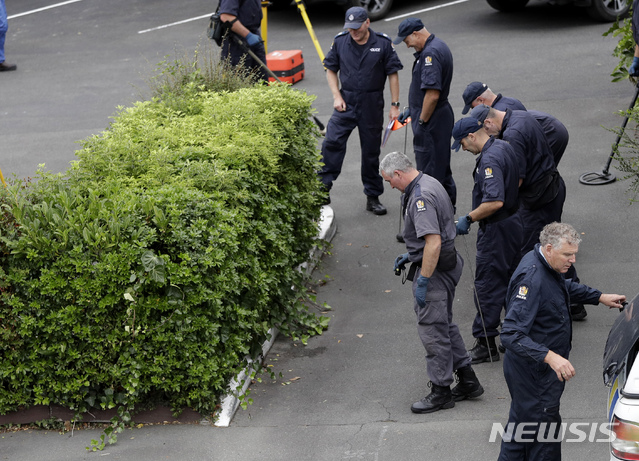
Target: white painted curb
(239,384)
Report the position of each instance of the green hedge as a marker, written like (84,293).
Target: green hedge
(159,261)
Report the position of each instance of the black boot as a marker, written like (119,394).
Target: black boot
(372,204)
(468,387)
(440,398)
(484,350)
(578,312)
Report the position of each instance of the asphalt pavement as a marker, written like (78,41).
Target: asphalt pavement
(347,394)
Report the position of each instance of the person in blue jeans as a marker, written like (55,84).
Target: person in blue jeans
(4,26)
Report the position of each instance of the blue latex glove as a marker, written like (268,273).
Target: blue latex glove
(463,225)
(634,68)
(421,289)
(400,261)
(404,115)
(252,39)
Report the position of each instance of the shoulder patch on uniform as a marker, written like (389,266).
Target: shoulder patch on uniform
(344,32)
(488,172)
(428,61)
(523,292)
(382,34)
(421,205)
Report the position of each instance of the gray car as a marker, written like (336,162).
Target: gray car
(601,10)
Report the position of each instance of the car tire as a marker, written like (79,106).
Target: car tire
(608,10)
(377,9)
(508,6)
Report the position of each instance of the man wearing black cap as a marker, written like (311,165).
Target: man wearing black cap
(431,114)
(542,191)
(243,18)
(360,59)
(495,203)
(477,93)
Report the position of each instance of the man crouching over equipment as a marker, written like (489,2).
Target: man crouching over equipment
(429,234)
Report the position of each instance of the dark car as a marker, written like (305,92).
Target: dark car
(621,374)
(601,10)
(377,9)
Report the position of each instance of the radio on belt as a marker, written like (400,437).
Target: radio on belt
(288,65)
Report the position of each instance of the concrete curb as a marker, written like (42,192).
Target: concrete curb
(239,384)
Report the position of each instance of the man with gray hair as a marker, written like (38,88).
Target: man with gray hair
(436,266)
(537,334)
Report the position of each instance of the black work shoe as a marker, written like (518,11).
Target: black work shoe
(481,353)
(578,312)
(440,398)
(4,67)
(468,386)
(372,204)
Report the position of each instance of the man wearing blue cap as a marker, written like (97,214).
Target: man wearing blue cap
(360,60)
(477,93)
(244,18)
(495,203)
(432,115)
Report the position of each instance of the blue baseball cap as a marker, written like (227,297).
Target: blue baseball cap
(407,27)
(462,128)
(355,17)
(480,112)
(472,92)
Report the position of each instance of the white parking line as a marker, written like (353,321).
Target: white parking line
(174,23)
(425,10)
(42,9)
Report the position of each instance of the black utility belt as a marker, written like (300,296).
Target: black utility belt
(447,262)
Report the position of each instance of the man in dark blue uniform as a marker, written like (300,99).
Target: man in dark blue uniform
(537,333)
(477,93)
(431,113)
(495,204)
(243,18)
(557,137)
(542,190)
(429,233)
(363,59)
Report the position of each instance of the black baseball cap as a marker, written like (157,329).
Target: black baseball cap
(472,92)
(480,112)
(462,128)
(355,17)
(407,27)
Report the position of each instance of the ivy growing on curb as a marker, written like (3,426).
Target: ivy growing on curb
(152,268)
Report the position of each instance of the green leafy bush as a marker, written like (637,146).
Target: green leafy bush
(159,261)
(627,151)
(625,48)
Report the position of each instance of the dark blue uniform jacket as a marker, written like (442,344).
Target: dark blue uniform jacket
(527,138)
(504,102)
(434,66)
(537,311)
(362,68)
(496,175)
